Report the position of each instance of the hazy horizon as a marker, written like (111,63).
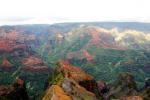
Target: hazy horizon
(18,12)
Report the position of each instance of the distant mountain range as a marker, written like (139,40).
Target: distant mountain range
(102,49)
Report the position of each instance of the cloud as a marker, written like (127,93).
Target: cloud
(23,11)
(15,19)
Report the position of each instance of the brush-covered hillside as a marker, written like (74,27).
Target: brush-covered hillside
(101,49)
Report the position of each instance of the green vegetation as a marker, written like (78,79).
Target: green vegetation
(107,64)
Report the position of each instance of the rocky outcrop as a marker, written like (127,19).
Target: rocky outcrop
(55,92)
(72,83)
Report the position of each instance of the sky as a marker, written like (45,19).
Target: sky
(58,11)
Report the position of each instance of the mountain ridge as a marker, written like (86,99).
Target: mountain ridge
(102,50)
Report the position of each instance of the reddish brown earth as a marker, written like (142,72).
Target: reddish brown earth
(34,64)
(133,98)
(65,66)
(5,90)
(74,85)
(31,60)
(78,75)
(95,37)
(6,63)
(14,40)
(10,45)
(72,72)
(36,69)
(88,56)
(81,55)
(101,40)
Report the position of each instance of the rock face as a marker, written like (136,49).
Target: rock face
(71,83)
(55,92)
(16,91)
(11,41)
